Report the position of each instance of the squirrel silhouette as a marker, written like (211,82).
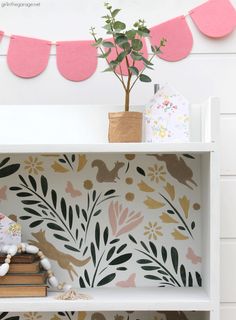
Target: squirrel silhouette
(105,175)
(65,261)
(177,168)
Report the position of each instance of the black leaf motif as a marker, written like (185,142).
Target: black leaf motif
(97,212)
(114,241)
(144,261)
(121,248)
(188,156)
(170,211)
(24,194)
(62,160)
(190,279)
(153,248)
(32,211)
(86,276)
(85,250)
(3,314)
(4,161)
(183,274)
(144,246)
(77,209)
(192,225)
(12,318)
(63,208)
(110,253)
(150,268)
(58,236)
(151,277)
(162,272)
(15,188)
(9,170)
(71,248)
(121,259)
(81,282)
(94,195)
(54,226)
(106,279)
(121,268)
(181,228)
(70,217)
(97,235)
(105,235)
(44,185)
(61,314)
(35,223)
(83,226)
(141,171)
(25,217)
(30,202)
(73,157)
(109,192)
(164,253)
(84,213)
(198,278)
(33,182)
(23,180)
(132,239)
(76,234)
(175,258)
(42,206)
(54,198)
(93,253)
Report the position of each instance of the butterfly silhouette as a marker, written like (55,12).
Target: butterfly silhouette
(72,191)
(193,257)
(130,282)
(3,195)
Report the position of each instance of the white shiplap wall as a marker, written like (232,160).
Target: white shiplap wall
(209,71)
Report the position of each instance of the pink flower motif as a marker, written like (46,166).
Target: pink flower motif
(121,220)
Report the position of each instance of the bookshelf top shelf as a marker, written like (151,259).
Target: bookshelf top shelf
(116,299)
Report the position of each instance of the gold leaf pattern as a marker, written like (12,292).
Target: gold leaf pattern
(153,204)
(81,315)
(144,187)
(184,202)
(178,235)
(57,167)
(82,162)
(170,189)
(166,218)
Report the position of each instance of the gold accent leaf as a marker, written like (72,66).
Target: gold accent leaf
(178,235)
(184,202)
(166,218)
(144,187)
(153,204)
(170,189)
(57,167)
(81,315)
(82,162)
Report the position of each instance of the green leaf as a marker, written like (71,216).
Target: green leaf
(82,283)
(70,217)
(108,44)
(109,192)
(121,56)
(44,185)
(144,78)
(183,274)
(105,235)
(136,56)
(198,278)
(164,253)
(30,202)
(110,69)
(153,248)
(97,235)
(54,198)
(25,217)
(118,25)
(97,43)
(71,248)
(63,208)
(141,171)
(130,34)
(151,277)
(4,161)
(110,253)
(105,54)
(144,261)
(121,259)
(106,279)
(121,248)
(132,239)
(136,44)
(32,211)
(134,70)
(33,182)
(150,268)
(24,194)
(190,280)
(9,170)
(115,12)
(93,253)
(59,237)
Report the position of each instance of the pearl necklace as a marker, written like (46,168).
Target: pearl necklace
(11,250)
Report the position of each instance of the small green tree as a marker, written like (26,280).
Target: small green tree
(126,43)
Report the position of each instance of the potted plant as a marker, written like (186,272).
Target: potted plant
(126,48)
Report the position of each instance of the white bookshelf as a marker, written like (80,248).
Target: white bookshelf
(17,137)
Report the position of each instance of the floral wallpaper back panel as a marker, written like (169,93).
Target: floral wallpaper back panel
(117,220)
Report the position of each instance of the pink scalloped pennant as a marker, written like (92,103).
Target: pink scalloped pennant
(215,18)
(76,60)
(179,38)
(28,57)
(1,35)
(122,68)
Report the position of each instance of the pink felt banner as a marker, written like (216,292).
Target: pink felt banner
(179,39)
(1,35)
(76,60)
(28,57)
(122,68)
(215,18)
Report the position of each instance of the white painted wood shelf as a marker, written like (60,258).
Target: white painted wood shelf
(117,299)
(193,147)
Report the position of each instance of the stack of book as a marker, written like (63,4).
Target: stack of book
(24,278)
